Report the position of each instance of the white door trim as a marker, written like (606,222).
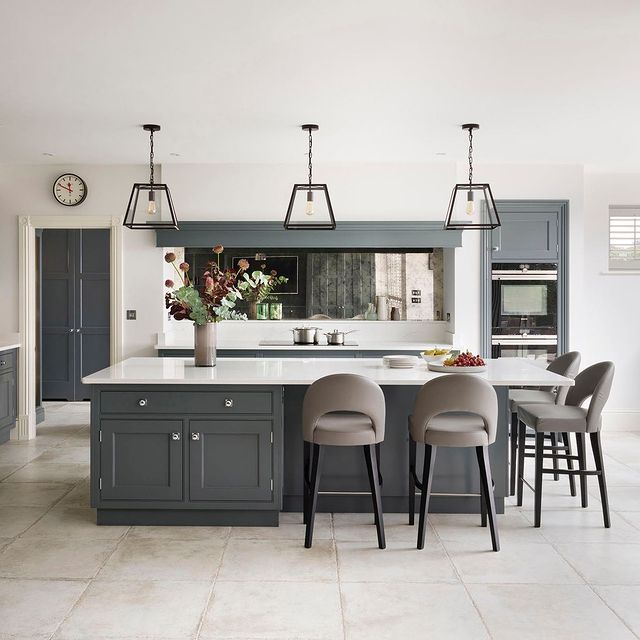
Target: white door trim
(26,425)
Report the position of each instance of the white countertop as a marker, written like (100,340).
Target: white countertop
(9,341)
(304,371)
(279,345)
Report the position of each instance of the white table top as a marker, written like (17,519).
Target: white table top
(9,341)
(304,371)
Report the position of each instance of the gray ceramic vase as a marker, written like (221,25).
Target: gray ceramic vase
(205,344)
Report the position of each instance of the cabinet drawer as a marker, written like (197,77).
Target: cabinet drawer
(7,361)
(188,402)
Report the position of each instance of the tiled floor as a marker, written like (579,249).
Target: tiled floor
(62,577)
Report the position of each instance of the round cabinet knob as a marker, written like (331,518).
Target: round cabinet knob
(228,402)
(195,436)
(142,402)
(175,436)
(2,363)
(70,330)
(77,330)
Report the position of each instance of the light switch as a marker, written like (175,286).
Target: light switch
(416,300)
(416,292)
(131,314)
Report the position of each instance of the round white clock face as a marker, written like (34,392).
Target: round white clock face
(69,189)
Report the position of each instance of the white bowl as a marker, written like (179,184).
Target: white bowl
(427,358)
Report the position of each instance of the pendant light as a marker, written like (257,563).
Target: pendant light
(310,205)
(150,205)
(466,210)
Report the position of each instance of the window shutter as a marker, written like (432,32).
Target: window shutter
(624,237)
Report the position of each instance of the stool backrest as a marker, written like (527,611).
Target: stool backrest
(343,392)
(457,392)
(595,383)
(566,365)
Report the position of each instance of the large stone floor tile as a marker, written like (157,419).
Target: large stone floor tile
(274,610)
(7,469)
(399,562)
(624,601)
(402,610)
(153,559)
(20,453)
(31,494)
(291,528)
(38,471)
(623,498)
(15,520)
(179,533)
(73,522)
(139,610)
(77,497)
(360,527)
(32,609)
(604,564)
(54,558)
(275,560)
(546,611)
(69,455)
(526,563)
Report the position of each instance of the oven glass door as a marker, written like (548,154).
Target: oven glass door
(522,306)
(544,353)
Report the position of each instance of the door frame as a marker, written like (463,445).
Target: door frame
(26,423)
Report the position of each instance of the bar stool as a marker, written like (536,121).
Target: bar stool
(595,383)
(566,365)
(342,410)
(456,410)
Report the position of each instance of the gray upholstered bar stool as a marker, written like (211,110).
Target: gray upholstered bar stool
(342,410)
(455,410)
(594,383)
(566,365)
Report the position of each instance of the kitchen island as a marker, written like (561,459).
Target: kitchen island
(172,443)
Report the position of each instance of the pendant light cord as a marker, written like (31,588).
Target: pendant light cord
(151,158)
(470,156)
(310,154)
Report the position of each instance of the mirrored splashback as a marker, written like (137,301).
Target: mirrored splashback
(325,285)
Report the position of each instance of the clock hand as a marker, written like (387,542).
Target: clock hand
(67,188)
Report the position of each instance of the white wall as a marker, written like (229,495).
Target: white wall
(602,308)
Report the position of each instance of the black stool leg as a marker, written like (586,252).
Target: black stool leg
(412,481)
(317,454)
(582,465)
(483,508)
(378,461)
(374,481)
(596,447)
(305,482)
(486,488)
(566,439)
(537,517)
(427,477)
(522,441)
(514,453)
(554,443)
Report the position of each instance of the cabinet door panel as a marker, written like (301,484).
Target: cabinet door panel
(230,460)
(7,398)
(141,459)
(526,236)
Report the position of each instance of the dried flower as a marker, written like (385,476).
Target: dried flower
(184,266)
(243,264)
(169,284)
(218,249)
(274,272)
(170,257)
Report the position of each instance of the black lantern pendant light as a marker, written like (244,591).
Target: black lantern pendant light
(150,205)
(310,205)
(466,207)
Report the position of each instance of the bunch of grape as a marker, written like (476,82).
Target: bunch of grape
(465,360)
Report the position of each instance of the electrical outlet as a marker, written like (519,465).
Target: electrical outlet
(416,300)
(416,292)
(131,314)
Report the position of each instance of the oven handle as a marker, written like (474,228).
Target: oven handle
(524,276)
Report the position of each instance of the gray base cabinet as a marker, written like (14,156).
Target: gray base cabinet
(175,456)
(8,392)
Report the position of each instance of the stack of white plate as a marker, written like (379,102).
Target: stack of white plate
(400,362)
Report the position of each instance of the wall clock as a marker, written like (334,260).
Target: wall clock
(70,189)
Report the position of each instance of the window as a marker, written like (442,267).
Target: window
(624,237)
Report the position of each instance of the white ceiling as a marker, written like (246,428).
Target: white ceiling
(388,81)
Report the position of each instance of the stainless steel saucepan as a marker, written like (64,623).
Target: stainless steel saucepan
(304,335)
(336,337)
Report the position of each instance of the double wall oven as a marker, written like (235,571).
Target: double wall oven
(524,313)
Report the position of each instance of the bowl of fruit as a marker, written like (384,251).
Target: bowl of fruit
(433,355)
(464,362)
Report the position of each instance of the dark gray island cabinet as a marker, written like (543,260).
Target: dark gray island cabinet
(186,455)
(8,392)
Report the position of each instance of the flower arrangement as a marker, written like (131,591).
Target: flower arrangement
(215,300)
(259,286)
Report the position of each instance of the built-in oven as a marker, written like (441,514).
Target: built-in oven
(524,310)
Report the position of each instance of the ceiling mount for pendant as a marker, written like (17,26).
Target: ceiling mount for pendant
(155,211)
(310,205)
(472,205)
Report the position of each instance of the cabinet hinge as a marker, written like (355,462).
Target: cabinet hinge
(100,484)
(271,484)
(100,434)
(272,437)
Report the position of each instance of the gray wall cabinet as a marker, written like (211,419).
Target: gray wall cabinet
(166,455)
(526,236)
(8,392)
